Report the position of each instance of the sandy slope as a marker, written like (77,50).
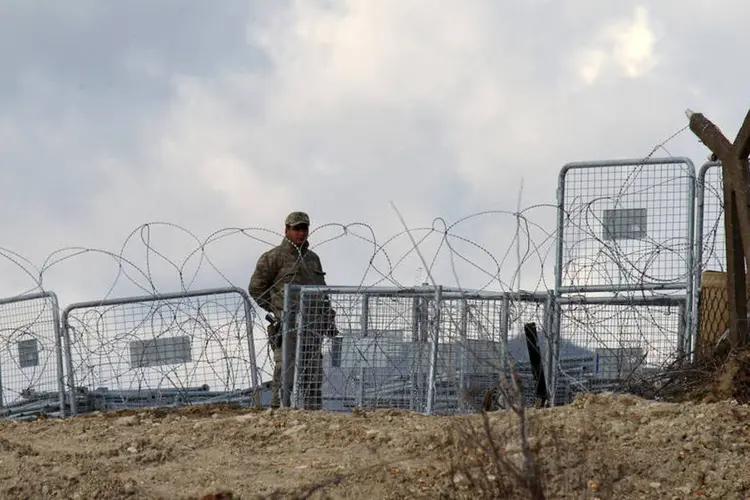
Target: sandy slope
(601,446)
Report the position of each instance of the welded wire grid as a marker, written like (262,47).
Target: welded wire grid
(604,345)
(712,234)
(480,340)
(626,225)
(472,352)
(163,351)
(385,355)
(379,359)
(28,354)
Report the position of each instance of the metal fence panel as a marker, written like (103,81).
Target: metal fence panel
(625,225)
(31,362)
(380,358)
(481,338)
(161,350)
(710,235)
(606,341)
(428,350)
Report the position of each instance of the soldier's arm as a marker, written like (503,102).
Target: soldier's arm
(262,281)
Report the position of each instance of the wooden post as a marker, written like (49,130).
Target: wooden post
(734,160)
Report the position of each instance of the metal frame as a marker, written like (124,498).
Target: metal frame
(689,283)
(699,236)
(52,297)
(439,295)
(644,301)
(254,374)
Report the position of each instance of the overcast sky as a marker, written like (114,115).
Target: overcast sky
(208,117)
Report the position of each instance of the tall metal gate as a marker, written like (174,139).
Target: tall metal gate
(625,234)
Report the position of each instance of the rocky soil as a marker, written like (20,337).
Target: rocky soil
(601,446)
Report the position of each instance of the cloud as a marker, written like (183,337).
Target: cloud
(211,117)
(626,45)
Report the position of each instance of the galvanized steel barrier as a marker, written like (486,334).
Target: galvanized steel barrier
(440,350)
(626,238)
(161,350)
(606,342)
(31,357)
(426,349)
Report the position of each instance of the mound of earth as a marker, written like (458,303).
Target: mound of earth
(601,446)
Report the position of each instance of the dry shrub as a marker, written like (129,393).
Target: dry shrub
(723,376)
(491,456)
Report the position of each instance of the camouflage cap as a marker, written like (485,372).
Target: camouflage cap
(296,218)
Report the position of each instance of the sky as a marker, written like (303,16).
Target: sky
(157,146)
(203,120)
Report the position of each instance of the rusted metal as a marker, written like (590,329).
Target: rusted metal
(734,160)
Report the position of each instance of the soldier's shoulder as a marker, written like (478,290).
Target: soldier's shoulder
(269,255)
(274,250)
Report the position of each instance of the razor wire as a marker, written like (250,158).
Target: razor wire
(576,337)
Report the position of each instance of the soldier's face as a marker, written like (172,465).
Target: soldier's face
(297,234)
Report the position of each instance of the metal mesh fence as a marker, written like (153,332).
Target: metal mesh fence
(625,225)
(480,340)
(433,351)
(714,312)
(379,359)
(31,363)
(710,217)
(604,342)
(161,350)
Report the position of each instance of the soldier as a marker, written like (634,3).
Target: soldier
(294,263)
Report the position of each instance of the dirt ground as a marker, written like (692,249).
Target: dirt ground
(601,446)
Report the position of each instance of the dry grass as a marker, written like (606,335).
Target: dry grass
(481,465)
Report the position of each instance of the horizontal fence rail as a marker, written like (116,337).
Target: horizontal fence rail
(161,350)
(31,357)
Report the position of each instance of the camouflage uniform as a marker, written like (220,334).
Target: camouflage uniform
(284,264)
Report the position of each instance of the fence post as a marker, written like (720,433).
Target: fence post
(434,352)
(69,355)
(683,337)
(363,323)
(2,396)
(251,350)
(504,330)
(464,345)
(286,327)
(734,159)
(297,397)
(59,348)
(690,264)
(700,219)
(416,351)
(549,336)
